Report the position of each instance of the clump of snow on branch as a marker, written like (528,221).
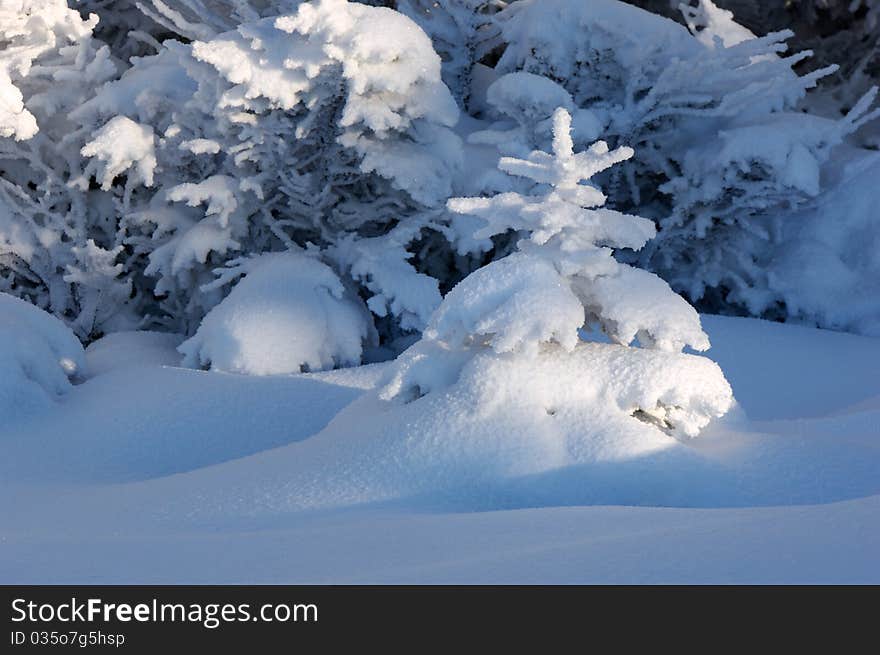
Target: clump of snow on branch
(714,26)
(119,146)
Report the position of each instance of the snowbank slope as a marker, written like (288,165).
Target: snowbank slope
(156,474)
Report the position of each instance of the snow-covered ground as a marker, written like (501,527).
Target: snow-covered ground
(149,473)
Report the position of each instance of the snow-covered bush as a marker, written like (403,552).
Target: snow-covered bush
(38,357)
(826,263)
(54,250)
(290,313)
(128,184)
(712,116)
(328,126)
(564,278)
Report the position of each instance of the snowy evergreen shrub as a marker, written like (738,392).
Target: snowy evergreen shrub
(289,314)
(712,116)
(138,171)
(826,264)
(533,303)
(56,250)
(329,126)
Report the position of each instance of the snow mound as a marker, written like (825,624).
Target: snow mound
(132,349)
(500,304)
(678,393)
(460,446)
(527,97)
(491,420)
(290,313)
(38,356)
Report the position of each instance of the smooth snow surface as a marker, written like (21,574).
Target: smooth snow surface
(132,349)
(150,473)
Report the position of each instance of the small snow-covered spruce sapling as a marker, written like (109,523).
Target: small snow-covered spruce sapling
(563,280)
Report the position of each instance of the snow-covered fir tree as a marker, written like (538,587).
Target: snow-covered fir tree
(532,305)
(328,126)
(723,150)
(54,252)
(136,191)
